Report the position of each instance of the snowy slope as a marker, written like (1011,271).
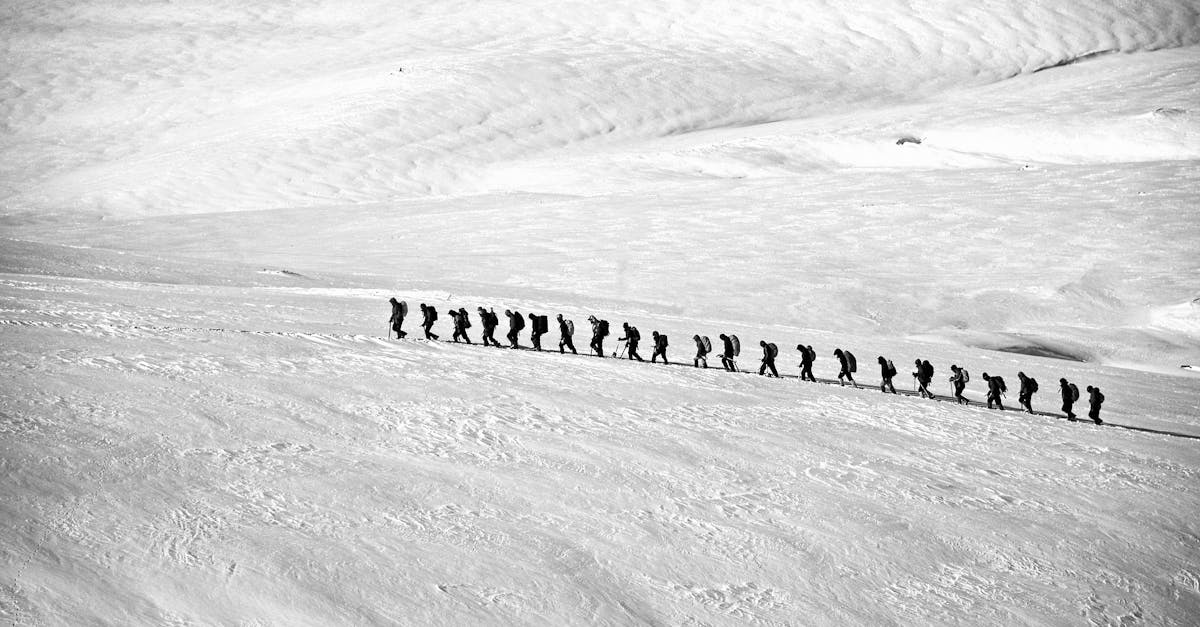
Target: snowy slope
(236,105)
(162,470)
(206,205)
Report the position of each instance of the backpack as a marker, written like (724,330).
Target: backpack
(927,370)
(852,361)
(603,328)
(890,369)
(1033,386)
(965,375)
(634,335)
(737,345)
(707,344)
(432,314)
(1000,384)
(662,341)
(518,321)
(812,354)
(543,324)
(1074,392)
(772,350)
(570,327)
(462,313)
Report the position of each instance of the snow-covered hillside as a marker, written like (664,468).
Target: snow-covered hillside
(206,205)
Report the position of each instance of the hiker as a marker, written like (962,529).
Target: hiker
(847,366)
(959,381)
(924,376)
(807,357)
(535,335)
(1095,399)
(887,370)
(516,322)
(631,339)
(489,321)
(727,354)
(566,329)
(768,359)
(1025,396)
(701,352)
(461,324)
(1070,394)
(660,347)
(397,319)
(429,316)
(599,332)
(996,389)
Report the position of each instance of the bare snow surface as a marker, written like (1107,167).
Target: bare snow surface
(206,205)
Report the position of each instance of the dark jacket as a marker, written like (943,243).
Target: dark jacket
(994,386)
(515,321)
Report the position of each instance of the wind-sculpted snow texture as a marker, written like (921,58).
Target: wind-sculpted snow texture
(206,206)
(242,105)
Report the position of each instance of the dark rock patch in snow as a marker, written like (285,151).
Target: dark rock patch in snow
(287,273)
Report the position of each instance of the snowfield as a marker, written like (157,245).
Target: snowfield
(206,206)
